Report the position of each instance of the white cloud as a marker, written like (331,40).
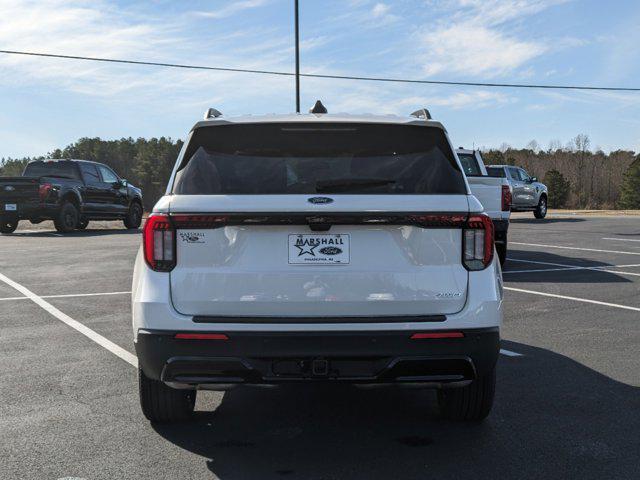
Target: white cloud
(101,28)
(380,10)
(231,9)
(477,38)
(475,50)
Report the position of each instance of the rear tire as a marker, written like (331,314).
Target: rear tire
(67,219)
(471,403)
(134,216)
(82,224)
(8,226)
(501,249)
(541,209)
(162,404)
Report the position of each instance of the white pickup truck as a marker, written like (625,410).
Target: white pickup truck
(493,192)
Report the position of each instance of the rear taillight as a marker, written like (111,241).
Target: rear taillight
(438,220)
(477,242)
(199,221)
(43,191)
(506,198)
(159,243)
(159,236)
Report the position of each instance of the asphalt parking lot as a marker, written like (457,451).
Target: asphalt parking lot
(567,402)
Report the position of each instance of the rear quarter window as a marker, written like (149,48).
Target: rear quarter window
(496,172)
(469,164)
(310,158)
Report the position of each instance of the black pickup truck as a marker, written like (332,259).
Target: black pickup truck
(69,192)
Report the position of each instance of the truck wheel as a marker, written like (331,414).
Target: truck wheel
(501,249)
(82,224)
(134,217)
(541,209)
(67,220)
(470,403)
(8,226)
(162,404)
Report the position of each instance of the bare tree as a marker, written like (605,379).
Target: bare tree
(533,146)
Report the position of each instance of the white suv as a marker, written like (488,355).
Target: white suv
(303,248)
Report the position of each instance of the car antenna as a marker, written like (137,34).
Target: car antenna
(422,113)
(318,108)
(212,113)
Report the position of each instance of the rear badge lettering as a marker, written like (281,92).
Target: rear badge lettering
(448,295)
(322,249)
(192,237)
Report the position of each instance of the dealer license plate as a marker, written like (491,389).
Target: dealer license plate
(323,249)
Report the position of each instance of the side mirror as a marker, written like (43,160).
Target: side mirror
(534,179)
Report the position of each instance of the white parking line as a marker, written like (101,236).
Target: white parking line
(574,248)
(576,299)
(621,239)
(571,267)
(538,270)
(509,353)
(96,337)
(63,317)
(70,295)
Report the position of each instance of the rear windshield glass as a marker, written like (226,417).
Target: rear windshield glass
(495,172)
(51,169)
(278,158)
(469,164)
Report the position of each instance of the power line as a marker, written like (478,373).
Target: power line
(324,76)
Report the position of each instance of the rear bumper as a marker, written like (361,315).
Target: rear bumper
(29,211)
(353,357)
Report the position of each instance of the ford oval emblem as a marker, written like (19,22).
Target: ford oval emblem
(320,200)
(330,251)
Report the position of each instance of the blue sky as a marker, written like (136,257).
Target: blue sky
(48,103)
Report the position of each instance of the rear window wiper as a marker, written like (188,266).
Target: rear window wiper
(346,184)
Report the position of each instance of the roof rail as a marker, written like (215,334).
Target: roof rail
(212,113)
(422,113)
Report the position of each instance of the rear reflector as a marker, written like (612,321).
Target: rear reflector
(201,336)
(420,336)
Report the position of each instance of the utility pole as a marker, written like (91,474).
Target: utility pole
(297,59)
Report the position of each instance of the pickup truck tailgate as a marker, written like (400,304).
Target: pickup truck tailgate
(488,190)
(17,191)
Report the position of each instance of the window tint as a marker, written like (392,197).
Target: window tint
(524,176)
(469,164)
(90,174)
(107,175)
(496,172)
(62,169)
(309,158)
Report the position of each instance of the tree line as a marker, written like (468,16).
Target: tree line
(146,163)
(576,176)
